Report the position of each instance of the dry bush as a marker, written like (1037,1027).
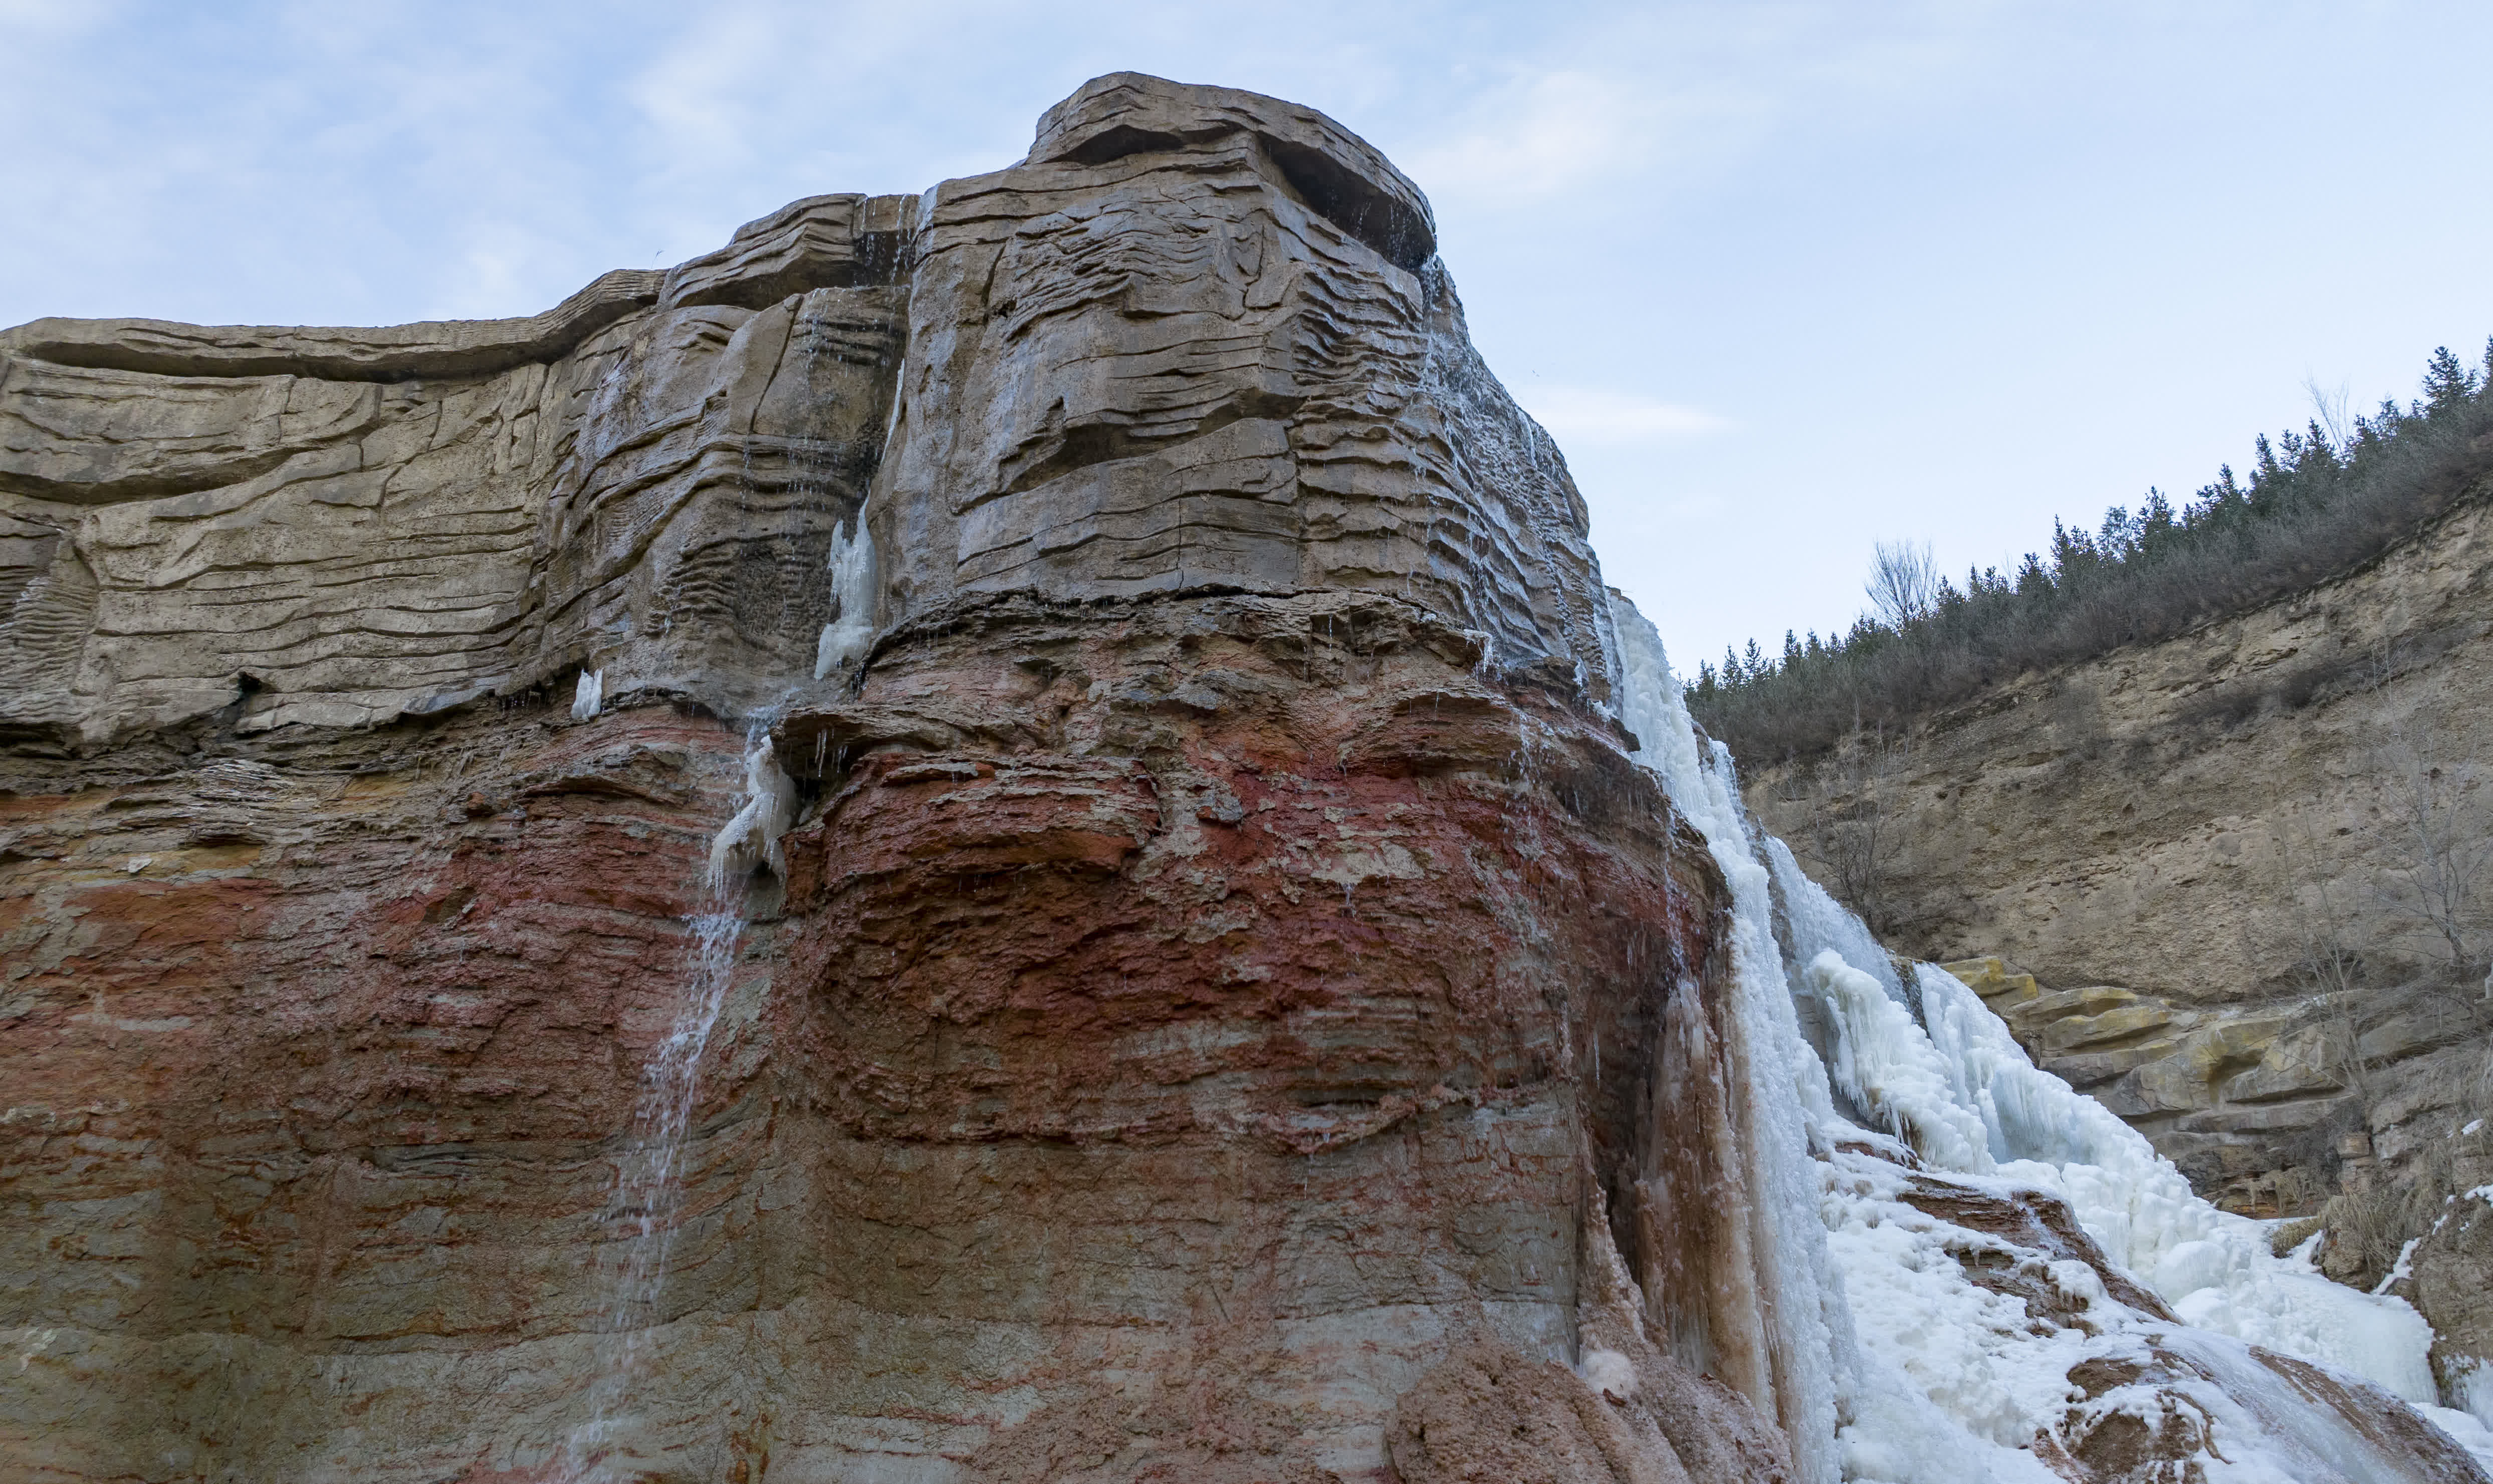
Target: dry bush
(2367,1230)
(1851,828)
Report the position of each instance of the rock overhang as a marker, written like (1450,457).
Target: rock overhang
(1331,169)
(1195,341)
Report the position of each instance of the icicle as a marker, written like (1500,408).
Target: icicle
(851,630)
(751,837)
(1887,1067)
(1785,1094)
(588,697)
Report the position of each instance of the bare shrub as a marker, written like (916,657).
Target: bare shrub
(2439,888)
(2367,1230)
(2327,954)
(1904,581)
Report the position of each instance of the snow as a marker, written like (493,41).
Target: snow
(1934,1378)
(1968,1351)
(2402,1270)
(2467,1426)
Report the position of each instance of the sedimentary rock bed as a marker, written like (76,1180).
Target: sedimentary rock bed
(1225,1008)
(1206,957)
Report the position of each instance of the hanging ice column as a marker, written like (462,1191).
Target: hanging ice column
(751,837)
(845,637)
(1902,1090)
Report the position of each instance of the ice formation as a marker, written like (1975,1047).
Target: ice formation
(588,697)
(845,637)
(2476,1390)
(1905,1133)
(751,837)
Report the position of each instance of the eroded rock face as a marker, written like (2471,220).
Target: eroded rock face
(1204,1040)
(1197,340)
(1206,955)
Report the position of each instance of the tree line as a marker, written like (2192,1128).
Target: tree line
(2315,504)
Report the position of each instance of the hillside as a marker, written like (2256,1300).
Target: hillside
(2236,884)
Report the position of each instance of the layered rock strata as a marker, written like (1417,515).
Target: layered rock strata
(1205,954)
(1195,339)
(1183,1023)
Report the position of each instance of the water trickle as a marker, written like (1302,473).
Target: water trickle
(646,1212)
(642,1217)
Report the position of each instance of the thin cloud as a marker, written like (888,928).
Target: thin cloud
(1544,134)
(1655,98)
(1597,415)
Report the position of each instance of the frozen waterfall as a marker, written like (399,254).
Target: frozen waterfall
(845,638)
(1912,1160)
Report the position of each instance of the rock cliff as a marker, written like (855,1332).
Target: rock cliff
(2234,884)
(984,837)
(1187,937)
(1187,343)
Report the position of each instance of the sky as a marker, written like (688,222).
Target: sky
(1785,279)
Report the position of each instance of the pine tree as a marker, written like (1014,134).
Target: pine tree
(2446,381)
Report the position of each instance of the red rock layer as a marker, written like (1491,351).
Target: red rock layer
(1183,1025)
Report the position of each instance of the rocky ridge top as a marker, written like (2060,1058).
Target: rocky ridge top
(1197,340)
